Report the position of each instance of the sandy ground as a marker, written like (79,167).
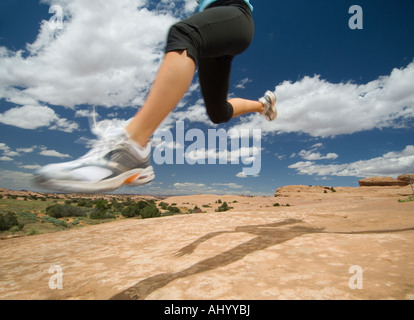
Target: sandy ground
(254,252)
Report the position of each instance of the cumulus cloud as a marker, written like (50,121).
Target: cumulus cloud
(313,155)
(7,153)
(53,153)
(106,54)
(319,108)
(33,117)
(390,164)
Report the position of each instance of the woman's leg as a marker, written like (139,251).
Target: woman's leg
(214,75)
(173,80)
(243,106)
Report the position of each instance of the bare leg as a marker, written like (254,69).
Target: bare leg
(173,80)
(242,106)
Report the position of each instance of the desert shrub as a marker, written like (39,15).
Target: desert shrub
(101,214)
(117,206)
(8,221)
(3,224)
(224,207)
(410,198)
(102,204)
(173,209)
(61,211)
(134,208)
(88,203)
(163,205)
(196,210)
(33,231)
(56,222)
(150,211)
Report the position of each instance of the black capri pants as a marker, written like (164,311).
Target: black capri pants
(213,38)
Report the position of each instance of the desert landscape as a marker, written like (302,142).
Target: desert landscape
(306,243)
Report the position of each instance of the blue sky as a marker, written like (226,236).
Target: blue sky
(346,97)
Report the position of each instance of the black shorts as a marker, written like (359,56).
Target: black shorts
(213,38)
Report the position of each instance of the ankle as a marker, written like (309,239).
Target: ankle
(140,143)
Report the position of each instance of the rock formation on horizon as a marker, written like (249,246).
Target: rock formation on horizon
(403,180)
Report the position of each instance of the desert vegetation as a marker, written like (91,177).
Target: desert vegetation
(30,214)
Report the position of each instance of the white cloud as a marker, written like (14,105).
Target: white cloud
(313,155)
(28,117)
(309,155)
(391,164)
(15,180)
(7,152)
(230,185)
(189,185)
(30,166)
(34,117)
(242,83)
(107,54)
(319,108)
(25,150)
(53,153)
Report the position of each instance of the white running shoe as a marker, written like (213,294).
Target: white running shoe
(114,160)
(269,101)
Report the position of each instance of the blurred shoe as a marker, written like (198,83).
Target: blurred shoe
(114,161)
(269,102)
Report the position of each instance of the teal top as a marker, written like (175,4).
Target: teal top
(205,3)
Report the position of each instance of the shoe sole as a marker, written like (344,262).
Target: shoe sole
(136,177)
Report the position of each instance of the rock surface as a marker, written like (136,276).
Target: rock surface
(382,182)
(407,178)
(256,251)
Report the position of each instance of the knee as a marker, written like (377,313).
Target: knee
(221,114)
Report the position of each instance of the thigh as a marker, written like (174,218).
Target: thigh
(219,31)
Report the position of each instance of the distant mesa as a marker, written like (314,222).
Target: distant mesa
(403,180)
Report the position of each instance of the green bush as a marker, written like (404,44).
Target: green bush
(224,207)
(88,203)
(61,211)
(150,211)
(135,209)
(8,221)
(173,209)
(163,205)
(58,223)
(101,214)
